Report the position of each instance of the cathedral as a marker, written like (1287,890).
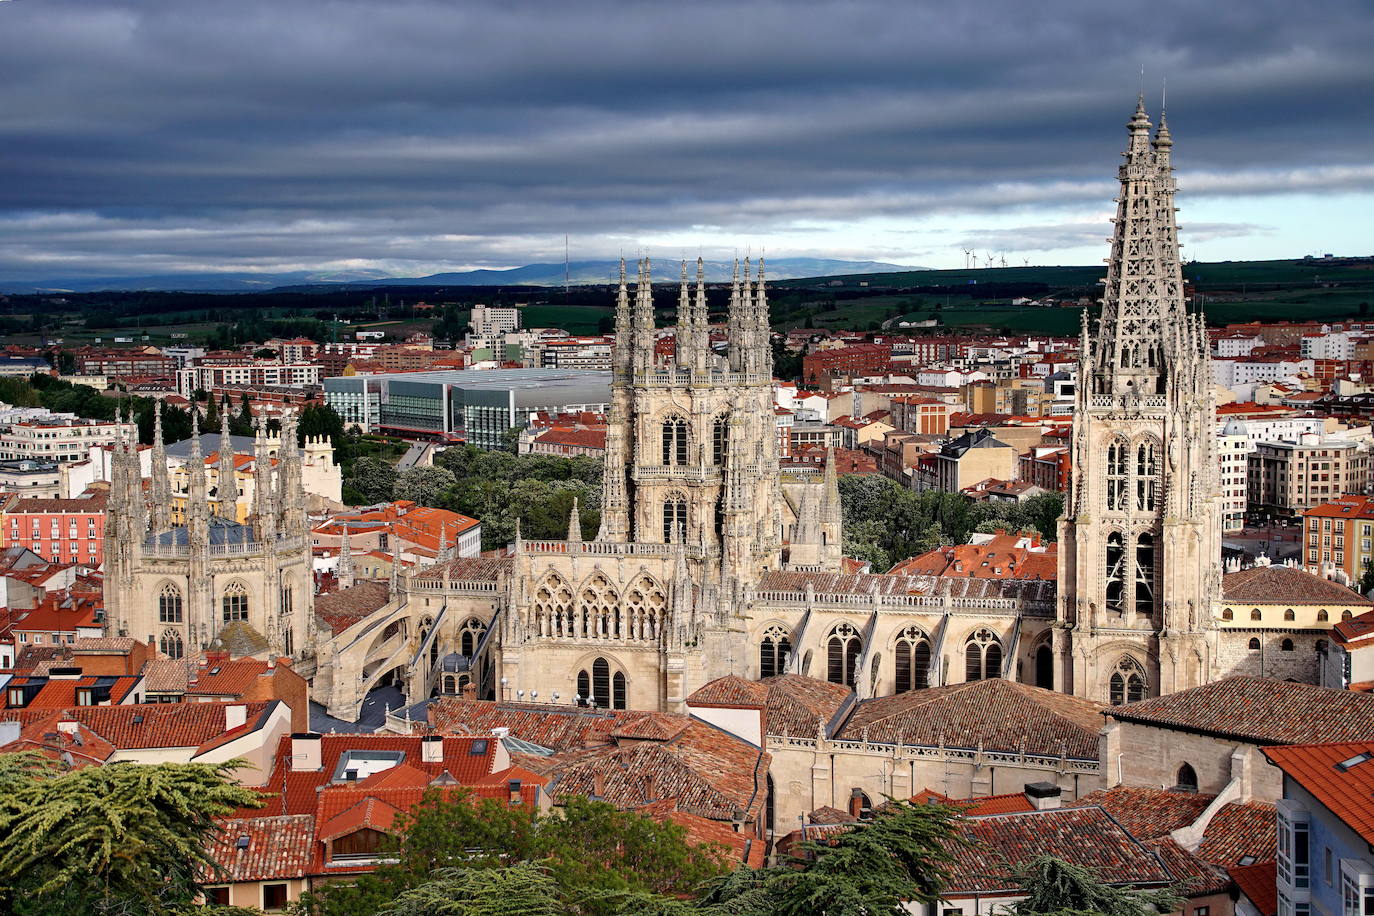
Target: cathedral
(209,581)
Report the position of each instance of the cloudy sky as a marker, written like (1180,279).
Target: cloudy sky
(411,136)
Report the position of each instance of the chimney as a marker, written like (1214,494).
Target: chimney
(66,726)
(500,732)
(1043,796)
(514,788)
(856,802)
(469,691)
(432,749)
(234,716)
(598,784)
(307,752)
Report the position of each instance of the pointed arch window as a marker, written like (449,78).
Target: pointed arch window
(618,690)
(171,645)
(674,516)
(1116,562)
(912,660)
(1146,474)
(842,650)
(169,604)
(286,598)
(288,641)
(469,636)
(1127,683)
(675,440)
(600,688)
(720,438)
(982,656)
(1145,575)
(774,650)
(1118,468)
(235,602)
(1187,779)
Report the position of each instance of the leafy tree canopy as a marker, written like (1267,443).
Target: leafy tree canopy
(1054,887)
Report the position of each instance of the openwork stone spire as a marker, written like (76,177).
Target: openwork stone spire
(161,496)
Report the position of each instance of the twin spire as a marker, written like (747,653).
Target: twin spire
(747,323)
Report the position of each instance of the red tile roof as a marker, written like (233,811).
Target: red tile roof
(1148,813)
(149,725)
(1285,585)
(1258,710)
(345,607)
(730,691)
(1259,883)
(277,848)
(798,705)
(1348,792)
(993,714)
(1239,830)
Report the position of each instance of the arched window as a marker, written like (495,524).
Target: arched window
(469,636)
(169,604)
(584,688)
(1321,645)
(1145,574)
(1322,616)
(1044,667)
(1286,646)
(982,656)
(1346,615)
(170,644)
(720,439)
(288,641)
(913,660)
(1226,614)
(553,607)
(235,602)
(1255,614)
(674,517)
(1254,645)
(1187,779)
(1116,560)
(601,683)
(618,691)
(675,440)
(1117,470)
(843,654)
(1146,471)
(1127,683)
(774,651)
(1288,615)
(285,598)
(598,607)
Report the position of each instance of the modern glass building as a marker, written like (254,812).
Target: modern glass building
(455,405)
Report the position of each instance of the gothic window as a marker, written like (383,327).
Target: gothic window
(1116,557)
(1145,575)
(553,608)
(1118,461)
(584,688)
(675,440)
(1255,614)
(169,604)
(643,610)
(235,602)
(720,433)
(618,691)
(598,608)
(171,645)
(1146,474)
(469,636)
(674,516)
(842,654)
(288,641)
(1322,616)
(913,660)
(1187,779)
(1044,667)
(1127,683)
(982,656)
(286,599)
(774,651)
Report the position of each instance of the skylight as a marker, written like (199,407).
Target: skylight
(1352,762)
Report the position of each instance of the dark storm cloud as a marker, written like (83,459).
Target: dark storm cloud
(177,134)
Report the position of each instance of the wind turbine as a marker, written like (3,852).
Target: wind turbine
(988,258)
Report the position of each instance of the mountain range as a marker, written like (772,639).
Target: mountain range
(578,273)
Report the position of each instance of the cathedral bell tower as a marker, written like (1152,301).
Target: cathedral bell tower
(1140,539)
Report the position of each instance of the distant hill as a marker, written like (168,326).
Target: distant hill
(579,273)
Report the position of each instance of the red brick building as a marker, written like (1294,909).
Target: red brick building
(59,530)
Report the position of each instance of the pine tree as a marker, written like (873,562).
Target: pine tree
(1054,887)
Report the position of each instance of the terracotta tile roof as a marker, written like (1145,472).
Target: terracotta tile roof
(732,691)
(470,569)
(1350,631)
(797,703)
(167,675)
(158,724)
(226,677)
(277,848)
(1193,876)
(1285,585)
(827,815)
(1260,711)
(366,811)
(1010,803)
(582,438)
(993,714)
(1240,830)
(1347,791)
(1082,836)
(1259,883)
(558,728)
(651,727)
(1147,813)
(345,607)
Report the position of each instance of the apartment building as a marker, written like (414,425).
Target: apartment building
(1337,536)
(1286,477)
(248,372)
(59,530)
(964,461)
(57,439)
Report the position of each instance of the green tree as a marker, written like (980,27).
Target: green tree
(425,486)
(114,839)
(1366,583)
(373,479)
(321,421)
(1054,887)
(523,889)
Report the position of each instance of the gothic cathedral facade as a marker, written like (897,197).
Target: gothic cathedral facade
(1140,538)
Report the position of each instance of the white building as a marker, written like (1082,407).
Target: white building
(487,320)
(57,439)
(1233,449)
(257,374)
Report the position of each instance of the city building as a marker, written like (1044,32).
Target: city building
(962,462)
(31,477)
(1286,478)
(1338,537)
(57,439)
(208,375)
(475,406)
(59,530)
